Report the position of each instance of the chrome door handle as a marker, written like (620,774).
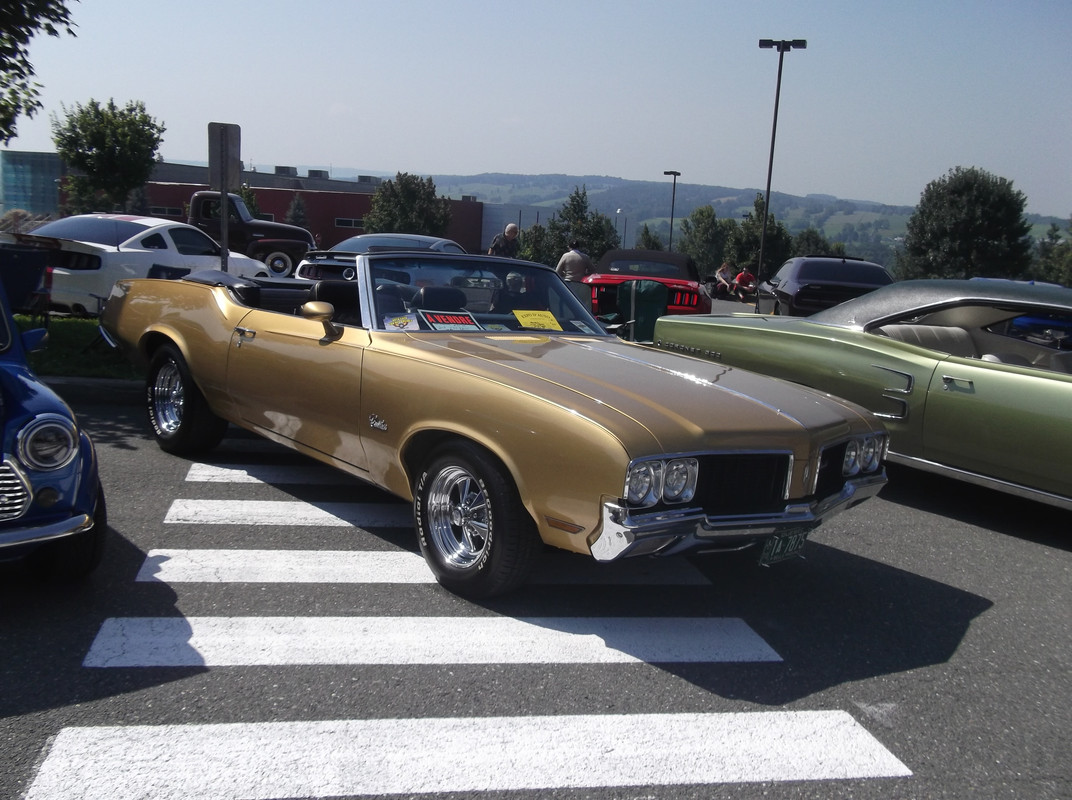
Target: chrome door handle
(948,382)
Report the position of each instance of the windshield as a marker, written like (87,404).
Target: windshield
(844,272)
(447,294)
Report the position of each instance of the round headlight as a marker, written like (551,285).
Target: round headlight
(48,442)
(641,483)
(679,481)
(869,455)
(851,464)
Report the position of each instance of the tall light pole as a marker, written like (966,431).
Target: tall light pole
(673,199)
(783,46)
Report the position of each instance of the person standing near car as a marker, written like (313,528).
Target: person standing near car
(505,244)
(574,264)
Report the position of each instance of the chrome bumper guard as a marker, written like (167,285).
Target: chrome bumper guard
(43,533)
(689,529)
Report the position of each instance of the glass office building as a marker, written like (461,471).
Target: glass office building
(30,181)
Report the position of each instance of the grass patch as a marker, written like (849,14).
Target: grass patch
(75,349)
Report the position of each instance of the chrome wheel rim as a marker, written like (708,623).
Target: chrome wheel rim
(459,518)
(168,398)
(279,266)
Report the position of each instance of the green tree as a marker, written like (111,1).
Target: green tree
(592,230)
(408,204)
(296,214)
(811,242)
(704,238)
(249,197)
(743,244)
(112,149)
(536,246)
(648,239)
(1054,257)
(20,21)
(968,223)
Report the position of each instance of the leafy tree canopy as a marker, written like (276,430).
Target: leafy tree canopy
(704,238)
(1054,258)
(408,204)
(296,214)
(20,21)
(112,150)
(743,244)
(649,240)
(592,230)
(968,223)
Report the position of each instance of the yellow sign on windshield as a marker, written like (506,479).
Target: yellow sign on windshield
(539,320)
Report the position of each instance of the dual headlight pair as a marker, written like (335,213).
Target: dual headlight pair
(863,455)
(670,480)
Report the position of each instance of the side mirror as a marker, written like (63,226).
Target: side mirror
(319,311)
(34,341)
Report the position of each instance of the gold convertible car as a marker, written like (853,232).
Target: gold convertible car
(484,391)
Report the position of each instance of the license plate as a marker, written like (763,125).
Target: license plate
(782,546)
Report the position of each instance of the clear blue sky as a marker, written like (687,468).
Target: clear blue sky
(887,97)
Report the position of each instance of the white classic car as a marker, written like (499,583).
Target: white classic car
(90,252)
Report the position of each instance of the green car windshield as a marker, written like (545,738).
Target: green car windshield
(414,293)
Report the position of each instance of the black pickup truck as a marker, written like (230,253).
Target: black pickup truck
(279,246)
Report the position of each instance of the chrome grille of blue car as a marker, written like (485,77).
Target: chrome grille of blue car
(14,493)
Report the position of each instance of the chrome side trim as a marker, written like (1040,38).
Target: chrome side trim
(1015,489)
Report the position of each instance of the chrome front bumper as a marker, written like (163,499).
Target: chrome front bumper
(16,537)
(673,533)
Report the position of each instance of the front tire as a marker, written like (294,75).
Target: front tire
(475,534)
(182,422)
(279,263)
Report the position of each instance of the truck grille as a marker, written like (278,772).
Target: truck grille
(14,493)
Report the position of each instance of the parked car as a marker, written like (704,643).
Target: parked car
(686,292)
(52,509)
(971,377)
(339,261)
(505,428)
(806,284)
(90,252)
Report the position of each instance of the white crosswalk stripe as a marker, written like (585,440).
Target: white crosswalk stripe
(356,757)
(289,512)
(413,756)
(249,641)
(175,566)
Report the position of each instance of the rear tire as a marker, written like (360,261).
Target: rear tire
(474,532)
(182,422)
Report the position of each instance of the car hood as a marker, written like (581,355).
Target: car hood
(686,404)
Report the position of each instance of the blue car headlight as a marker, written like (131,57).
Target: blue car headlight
(48,442)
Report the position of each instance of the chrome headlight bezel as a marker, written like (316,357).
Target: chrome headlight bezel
(649,482)
(863,455)
(47,443)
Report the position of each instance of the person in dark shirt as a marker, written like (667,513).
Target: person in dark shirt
(505,244)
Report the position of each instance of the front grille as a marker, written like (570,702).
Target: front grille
(14,493)
(831,478)
(738,484)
